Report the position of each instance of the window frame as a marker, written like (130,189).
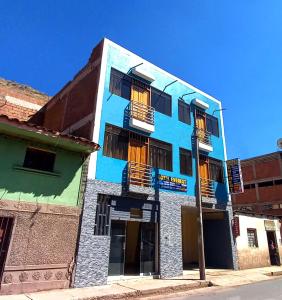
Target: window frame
(183,105)
(213,120)
(255,244)
(169,163)
(28,165)
(110,152)
(161,93)
(123,79)
(217,163)
(191,162)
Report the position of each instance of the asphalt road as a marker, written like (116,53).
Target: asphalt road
(264,290)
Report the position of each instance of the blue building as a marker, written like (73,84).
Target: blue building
(139,214)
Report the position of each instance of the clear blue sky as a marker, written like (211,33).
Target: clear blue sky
(229,49)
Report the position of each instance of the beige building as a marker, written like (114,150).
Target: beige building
(258,240)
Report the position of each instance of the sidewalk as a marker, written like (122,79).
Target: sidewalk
(143,287)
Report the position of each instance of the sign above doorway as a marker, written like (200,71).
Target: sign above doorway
(172,183)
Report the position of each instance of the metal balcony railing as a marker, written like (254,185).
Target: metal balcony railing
(139,174)
(204,136)
(142,112)
(207,188)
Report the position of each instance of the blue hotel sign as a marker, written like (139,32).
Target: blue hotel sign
(235,176)
(172,183)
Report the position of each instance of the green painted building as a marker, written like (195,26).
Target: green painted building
(41,189)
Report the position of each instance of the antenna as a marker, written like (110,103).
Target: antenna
(279,143)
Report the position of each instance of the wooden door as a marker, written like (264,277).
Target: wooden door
(138,151)
(204,176)
(141,96)
(201,124)
(204,169)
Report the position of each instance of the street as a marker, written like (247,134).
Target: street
(265,290)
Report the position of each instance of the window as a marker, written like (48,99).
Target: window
(265,184)
(278,181)
(249,186)
(39,159)
(102,219)
(185,161)
(184,112)
(161,101)
(212,125)
(252,238)
(120,84)
(160,155)
(115,142)
(216,170)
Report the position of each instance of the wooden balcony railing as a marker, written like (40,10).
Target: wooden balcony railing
(204,136)
(142,112)
(139,174)
(207,188)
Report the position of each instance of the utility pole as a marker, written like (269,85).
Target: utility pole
(201,248)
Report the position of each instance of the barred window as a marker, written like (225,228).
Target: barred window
(252,237)
(160,155)
(185,157)
(184,112)
(115,142)
(102,220)
(161,101)
(120,84)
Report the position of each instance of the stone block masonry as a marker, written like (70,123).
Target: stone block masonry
(93,251)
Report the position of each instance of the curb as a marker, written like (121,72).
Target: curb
(150,292)
(275,273)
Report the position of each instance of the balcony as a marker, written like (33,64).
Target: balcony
(204,139)
(142,117)
(139,178)
(207,188)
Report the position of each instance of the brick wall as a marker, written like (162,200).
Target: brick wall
(20,101)
(73,108)
(262,179)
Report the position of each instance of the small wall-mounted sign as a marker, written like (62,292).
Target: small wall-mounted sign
(172,183)
(269,225)
(236,226)
(235,179)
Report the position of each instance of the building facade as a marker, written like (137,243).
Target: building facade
(20,101)
(262,176)
(139,214)
(258,240)
(41,192)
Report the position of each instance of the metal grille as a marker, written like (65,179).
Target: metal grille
(204,136)
(139,174)
(6,225)
(102,222)
(252,237)
(142,112)
(207,188)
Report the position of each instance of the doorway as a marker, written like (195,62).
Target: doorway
(189,238)
(132,248)
(6,225)
(273,248)
(138,150)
